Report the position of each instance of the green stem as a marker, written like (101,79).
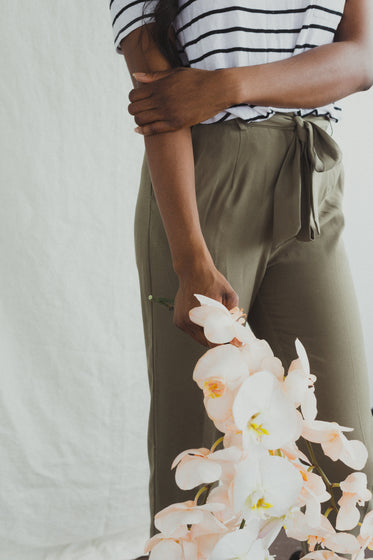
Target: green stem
(200,491)
(314,460)
(208,488)
(323,475)
(169,303)
(328,511)
(216,444)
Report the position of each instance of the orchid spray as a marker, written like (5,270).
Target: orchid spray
(259,480)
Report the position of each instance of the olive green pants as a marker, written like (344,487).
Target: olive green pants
(270,197)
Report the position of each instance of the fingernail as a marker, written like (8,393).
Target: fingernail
(139,74)
(138,130)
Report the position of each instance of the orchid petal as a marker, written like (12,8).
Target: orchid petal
(342,542)
(193,471)
(166,549)
(201,452)
(347,518)
(235,543)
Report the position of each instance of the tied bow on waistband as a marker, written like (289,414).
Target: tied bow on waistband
(311,153)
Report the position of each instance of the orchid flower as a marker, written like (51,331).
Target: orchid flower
(219,373)
(161,547)
(264,413)
(335,444)
(299,383)
(172,520)
(291,451)
(365,537)
(220,325)
(313,493)
(200,466)
(355,491)
(265,486)
(258,355)
(223,495)
(322,533)
(242,544)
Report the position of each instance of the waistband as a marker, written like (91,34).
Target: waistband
(277,120)
(311,153)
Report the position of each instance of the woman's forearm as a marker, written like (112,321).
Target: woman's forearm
(314,78)
(319,76)
(171,165)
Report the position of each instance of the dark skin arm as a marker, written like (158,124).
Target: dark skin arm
(182,97)
(171,165)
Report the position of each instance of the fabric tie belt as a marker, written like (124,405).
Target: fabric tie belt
(311,153)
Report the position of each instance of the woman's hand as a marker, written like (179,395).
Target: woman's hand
(179,97)
(205,280)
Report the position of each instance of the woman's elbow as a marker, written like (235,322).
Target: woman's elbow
(367,69)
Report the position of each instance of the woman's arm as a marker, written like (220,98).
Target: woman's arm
(171,165)
(314,78)
(318,76)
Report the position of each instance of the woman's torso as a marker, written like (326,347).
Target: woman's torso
(215,34)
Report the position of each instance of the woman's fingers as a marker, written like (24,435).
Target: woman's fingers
(145,112)
(196,332)
(155,128)
(140,93)
(148,117)
(142,105)
(230,299)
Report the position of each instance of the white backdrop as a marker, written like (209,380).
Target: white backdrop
(73,382)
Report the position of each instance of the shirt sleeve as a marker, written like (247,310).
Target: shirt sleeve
(127,15)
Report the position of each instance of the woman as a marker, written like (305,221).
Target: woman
(241,199)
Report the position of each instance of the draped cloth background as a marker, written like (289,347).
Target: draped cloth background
(73,384)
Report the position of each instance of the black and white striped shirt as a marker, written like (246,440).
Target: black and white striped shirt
(214,34)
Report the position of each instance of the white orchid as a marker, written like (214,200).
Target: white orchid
(355,491)
(335,444)
(263,479)
(220,325)
(264,413)
(200,466)
(242,544)
(299,383)
(219,373)
(265,486)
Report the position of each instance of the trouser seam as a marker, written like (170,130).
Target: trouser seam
(154,443)
(218,240)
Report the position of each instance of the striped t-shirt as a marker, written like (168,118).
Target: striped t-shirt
(213,34)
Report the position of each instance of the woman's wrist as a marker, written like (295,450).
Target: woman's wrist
(198,258)
(233,84)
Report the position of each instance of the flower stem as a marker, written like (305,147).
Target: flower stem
(323,475)
(328,511)
(169,303)
(208,488)
(216,444)
(200,491)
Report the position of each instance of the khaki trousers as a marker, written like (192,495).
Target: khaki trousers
(270,198)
